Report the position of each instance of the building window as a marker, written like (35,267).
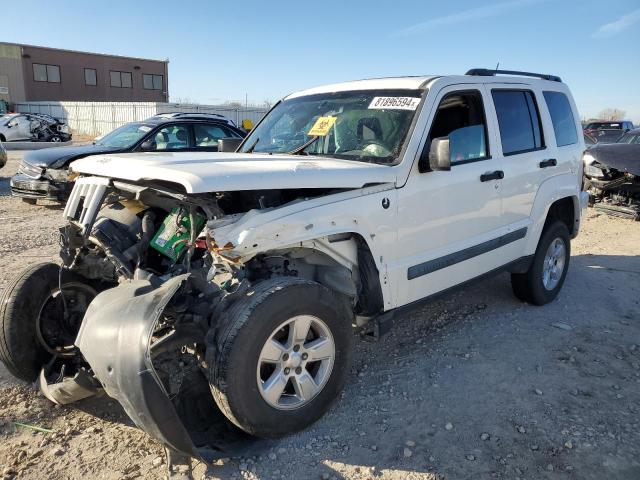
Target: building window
(121,79)
(90,77)
(46,73)
(152,82)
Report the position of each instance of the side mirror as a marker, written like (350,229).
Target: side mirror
(229,144)
(148,145)
(439,154)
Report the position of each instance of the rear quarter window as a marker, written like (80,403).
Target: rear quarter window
(564,125)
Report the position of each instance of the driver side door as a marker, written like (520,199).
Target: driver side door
(450,223)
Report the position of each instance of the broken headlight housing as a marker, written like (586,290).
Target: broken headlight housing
(30,170)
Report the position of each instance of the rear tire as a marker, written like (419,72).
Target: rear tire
(30,201)
(242,370)
(545,277)
(29,317)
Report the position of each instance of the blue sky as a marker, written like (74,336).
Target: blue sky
(220,51)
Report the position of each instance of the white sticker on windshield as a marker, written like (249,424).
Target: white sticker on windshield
(394,103)
(144,128)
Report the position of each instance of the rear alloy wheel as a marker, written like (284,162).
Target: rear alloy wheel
(281,356)
(40,315)
(545,277)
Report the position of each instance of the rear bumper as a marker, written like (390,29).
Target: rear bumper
(39,188)
(584,202)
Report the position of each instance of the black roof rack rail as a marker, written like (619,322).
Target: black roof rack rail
(485,72)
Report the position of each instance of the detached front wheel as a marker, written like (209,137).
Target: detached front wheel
(281,356)
(40,315)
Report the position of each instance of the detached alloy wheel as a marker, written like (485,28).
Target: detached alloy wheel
(39,319)
(281,356)
(544,279)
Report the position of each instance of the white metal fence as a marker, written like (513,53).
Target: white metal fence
(98,118)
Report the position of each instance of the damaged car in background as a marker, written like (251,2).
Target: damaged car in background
(218,292)
(33,127)
(612,176)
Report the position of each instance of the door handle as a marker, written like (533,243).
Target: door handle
(497,175)
(551,162)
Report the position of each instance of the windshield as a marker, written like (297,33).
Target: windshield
(367,125)
(4,119)
(125,136)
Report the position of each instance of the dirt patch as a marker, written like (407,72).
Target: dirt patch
(476,385)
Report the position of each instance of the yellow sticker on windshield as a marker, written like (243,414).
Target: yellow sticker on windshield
(322,126)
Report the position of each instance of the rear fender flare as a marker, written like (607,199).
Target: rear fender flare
(550,191)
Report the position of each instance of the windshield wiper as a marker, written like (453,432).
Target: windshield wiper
(302,147)
(250,149)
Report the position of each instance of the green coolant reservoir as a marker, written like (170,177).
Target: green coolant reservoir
(173,236)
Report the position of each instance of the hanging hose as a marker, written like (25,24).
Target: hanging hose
(193,236)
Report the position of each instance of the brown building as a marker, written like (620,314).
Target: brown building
(29,73)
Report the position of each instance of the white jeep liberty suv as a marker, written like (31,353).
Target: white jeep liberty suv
(200,286)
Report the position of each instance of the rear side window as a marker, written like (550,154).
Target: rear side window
(208,135)
(519,121)
(564,124)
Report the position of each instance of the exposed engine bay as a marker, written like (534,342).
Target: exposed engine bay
(612,174)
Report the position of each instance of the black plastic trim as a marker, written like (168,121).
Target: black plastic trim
(470,160)
(448,260)
(485,72)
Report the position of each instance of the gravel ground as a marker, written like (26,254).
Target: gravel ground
(475,385)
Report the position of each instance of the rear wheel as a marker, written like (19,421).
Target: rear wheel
(282,356)
(40,315)
(545,277)
(30,201)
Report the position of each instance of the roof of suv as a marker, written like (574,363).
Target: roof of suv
(172,116)
(417,82)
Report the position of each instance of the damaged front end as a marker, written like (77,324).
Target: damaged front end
(163,285)
(613,179)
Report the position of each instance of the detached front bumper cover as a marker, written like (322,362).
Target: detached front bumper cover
(115,340)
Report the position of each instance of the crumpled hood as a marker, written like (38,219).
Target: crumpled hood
(200,172)
(623,157)
(57,157)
